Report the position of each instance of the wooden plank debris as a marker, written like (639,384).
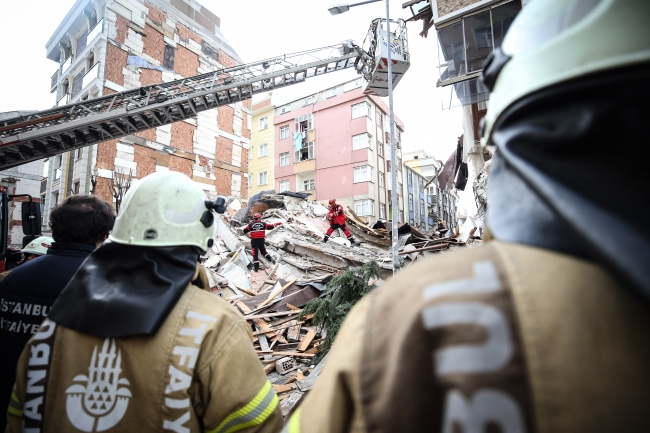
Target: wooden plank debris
(306,340)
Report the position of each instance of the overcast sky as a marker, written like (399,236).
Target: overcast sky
(257,29)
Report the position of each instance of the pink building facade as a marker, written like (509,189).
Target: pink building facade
(342,150)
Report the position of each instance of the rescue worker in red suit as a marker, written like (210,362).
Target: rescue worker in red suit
(258,232)
(336,216)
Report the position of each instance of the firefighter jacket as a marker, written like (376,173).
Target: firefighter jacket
(26,296)
(519,338)
(336,215)
(258,229)
(197,373)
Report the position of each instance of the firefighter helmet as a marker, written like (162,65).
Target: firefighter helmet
(38,246)
(554,41)
(257,216)
(164,209)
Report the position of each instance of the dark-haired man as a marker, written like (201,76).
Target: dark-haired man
(79,225)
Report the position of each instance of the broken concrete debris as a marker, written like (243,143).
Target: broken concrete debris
(272,299)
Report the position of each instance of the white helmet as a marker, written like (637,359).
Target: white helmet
(165,209)
(38,246)
(554,41)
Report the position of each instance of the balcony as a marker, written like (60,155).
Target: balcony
(66,65)
(63,100)
(90,76)
(99,28)
(304,166)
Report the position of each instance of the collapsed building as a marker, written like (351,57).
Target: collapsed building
(272,299)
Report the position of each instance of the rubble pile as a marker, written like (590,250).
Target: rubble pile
(272,299)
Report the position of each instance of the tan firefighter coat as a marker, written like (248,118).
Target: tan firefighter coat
(198,373)
(501,338)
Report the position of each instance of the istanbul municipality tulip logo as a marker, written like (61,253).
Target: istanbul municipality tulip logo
(99,404)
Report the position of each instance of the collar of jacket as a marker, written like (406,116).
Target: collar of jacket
(70,250)
(568,172)
(125,290)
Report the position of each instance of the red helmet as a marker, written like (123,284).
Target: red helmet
(257,216)
(332,202)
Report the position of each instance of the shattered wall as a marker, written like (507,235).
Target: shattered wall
(143,43)
(175,39)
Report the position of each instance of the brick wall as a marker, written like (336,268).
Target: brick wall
(145,163)
(223,181)
(186,34)
(225,118)
(155,13)
(122,29)
(148,134)
(244,126)
(186,62)
(115,62)
(106,154)
(182,136)
(103,189)
(181,165)
(223,152)
(154,43)
(244,160)
(226,60)
(150,76)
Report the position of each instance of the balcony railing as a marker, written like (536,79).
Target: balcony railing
(99,28)
(90,76)
(63,100)
(54,81)
(66,65)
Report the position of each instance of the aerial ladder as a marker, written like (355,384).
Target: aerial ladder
(49,132)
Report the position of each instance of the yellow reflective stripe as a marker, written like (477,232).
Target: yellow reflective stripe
(254,413)
(293,426)
(15,407)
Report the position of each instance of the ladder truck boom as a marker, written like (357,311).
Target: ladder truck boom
(50,132)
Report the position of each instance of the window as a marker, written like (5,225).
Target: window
(80,152)
(303,123)
(364,207)
(263,123)
(411,202)
(464,45)
(399,188)
(75,188)
(381,179)
(262,178)
(308,185)
(360,110)
(262,150)
(382,211)
(55,199)
(284,132)
(379,118)
(306,152)
(284,159)
(363,174)
(388,166)
(330,93)
(399,163)
(360,141)
(398,136)
(309,100)
(380,148)
(285,109)
(409,177)
(284,185)
(421,206)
